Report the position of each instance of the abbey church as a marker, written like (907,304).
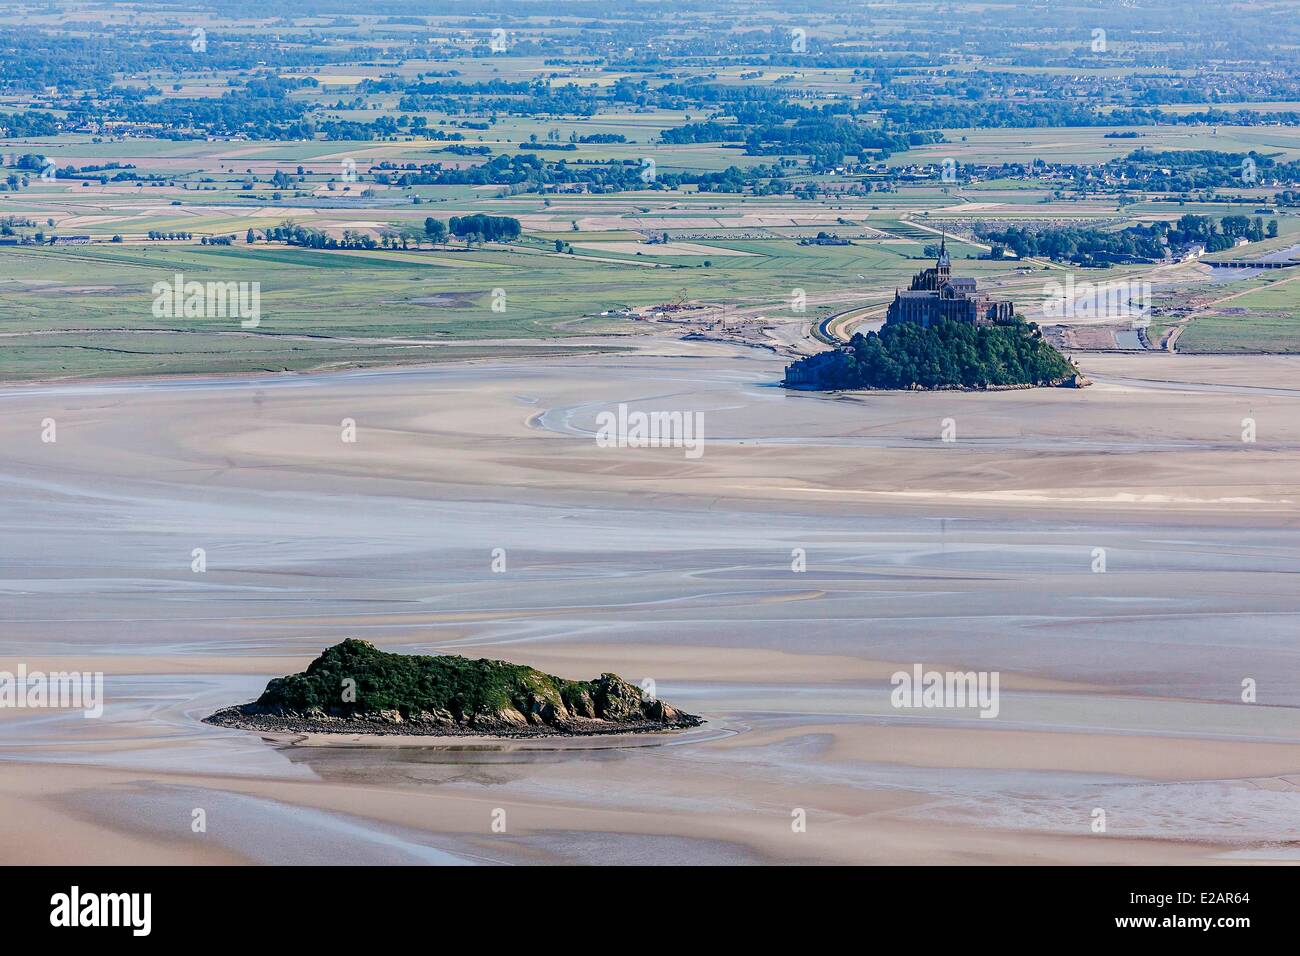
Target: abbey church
(934,295)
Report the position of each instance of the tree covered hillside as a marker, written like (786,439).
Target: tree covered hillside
(945,355)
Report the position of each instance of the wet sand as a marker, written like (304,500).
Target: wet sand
(1120,690)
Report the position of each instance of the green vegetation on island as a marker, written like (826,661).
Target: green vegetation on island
(947,354)
(353,687)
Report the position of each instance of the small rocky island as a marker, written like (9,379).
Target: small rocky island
(354,687)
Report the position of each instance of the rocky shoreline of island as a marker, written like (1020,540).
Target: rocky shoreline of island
(1076,380)
(248,717)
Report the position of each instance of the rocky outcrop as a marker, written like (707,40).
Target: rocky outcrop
(354,687)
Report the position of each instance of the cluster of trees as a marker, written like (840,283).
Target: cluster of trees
(525,172)
(1081,244)
(159,235)
(383,126)
(498,171)
(474,228)
(1092,246)
(350,240)
(1220,234)
(481,228)
(28,123)
(28,163)
(830,140)
(499,96)
(10,224)
(295,235)
(435,229)
(824,135)
(100,174)
(761,180)
(945,355)
(708,132)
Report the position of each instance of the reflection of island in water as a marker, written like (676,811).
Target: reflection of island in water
(353,687)
(941,332)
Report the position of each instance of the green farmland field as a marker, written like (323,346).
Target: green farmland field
(70,309)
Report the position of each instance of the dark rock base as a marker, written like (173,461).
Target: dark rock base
(250,717)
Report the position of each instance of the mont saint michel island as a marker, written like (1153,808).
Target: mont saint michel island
(941,332)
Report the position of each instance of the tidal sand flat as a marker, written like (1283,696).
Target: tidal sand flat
(1119,556)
